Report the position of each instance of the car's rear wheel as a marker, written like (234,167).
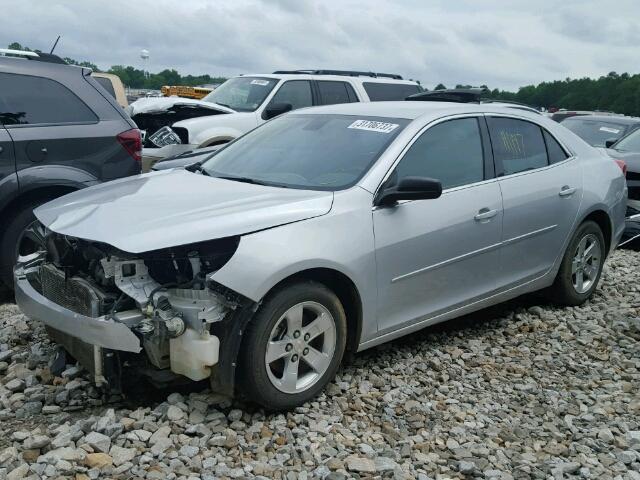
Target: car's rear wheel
(581,266)
(22,236)
(293,346)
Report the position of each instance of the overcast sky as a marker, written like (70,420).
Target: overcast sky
(501,43)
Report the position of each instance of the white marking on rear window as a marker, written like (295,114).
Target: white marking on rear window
(372,126)
(262,83)
(609,130)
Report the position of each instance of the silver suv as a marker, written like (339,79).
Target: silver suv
(326,229)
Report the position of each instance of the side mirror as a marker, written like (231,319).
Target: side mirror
(609,143)
(275,109)
(410,188)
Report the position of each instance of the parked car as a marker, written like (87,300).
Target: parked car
(627,149)
(601,130)
(328,229)
(59,132)
(113,85)
(175,125)
(467,95)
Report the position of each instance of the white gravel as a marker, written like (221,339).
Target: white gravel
(523,390)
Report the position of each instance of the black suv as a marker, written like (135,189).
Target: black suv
(59,131)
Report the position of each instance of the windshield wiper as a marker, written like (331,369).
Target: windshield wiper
(243,180)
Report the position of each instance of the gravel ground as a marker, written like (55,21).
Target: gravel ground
(523,390)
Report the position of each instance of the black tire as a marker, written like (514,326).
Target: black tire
(253,378)
(563,291)
(13,232)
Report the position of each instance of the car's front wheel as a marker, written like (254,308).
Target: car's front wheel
(293,346)
(581,266)
(22,236)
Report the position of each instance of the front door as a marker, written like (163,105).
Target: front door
(541,190)
(433,255)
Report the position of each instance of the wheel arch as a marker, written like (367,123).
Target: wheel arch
(344,288)
(603,220)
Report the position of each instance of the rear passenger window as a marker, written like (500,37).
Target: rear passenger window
(450,152)
(28,100)
(517,145)
(380,92)
(332,93)
(554,150)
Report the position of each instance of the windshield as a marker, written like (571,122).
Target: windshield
(242,94)
(630,143)
(594,132)
(317,152)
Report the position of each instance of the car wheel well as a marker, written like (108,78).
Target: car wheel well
(604,222)
(346,292)
(34,195)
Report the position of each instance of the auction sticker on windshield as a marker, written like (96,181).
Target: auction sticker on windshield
(262,83)
(609,130)
(373,126)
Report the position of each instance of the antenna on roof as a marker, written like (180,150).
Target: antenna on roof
(55,45)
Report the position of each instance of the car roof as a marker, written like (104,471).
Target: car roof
(620,120)
(413,110)
(341,78)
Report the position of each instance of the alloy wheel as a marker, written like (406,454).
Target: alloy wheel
(585,265)
(301,347)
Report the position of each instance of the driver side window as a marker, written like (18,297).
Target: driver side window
(450,152)
(295,92)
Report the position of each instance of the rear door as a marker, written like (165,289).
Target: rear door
(541,188)
(332,92)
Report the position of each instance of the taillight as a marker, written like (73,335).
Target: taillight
(623,166)
(131,141)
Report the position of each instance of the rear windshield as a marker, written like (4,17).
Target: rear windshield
(595,132)
(381,92)
(315,152)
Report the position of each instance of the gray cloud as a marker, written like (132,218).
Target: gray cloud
(501,44)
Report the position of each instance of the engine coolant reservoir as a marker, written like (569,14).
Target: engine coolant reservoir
(192,354)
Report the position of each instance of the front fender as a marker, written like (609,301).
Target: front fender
(341,240)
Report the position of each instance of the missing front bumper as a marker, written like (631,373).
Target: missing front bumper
(100,331)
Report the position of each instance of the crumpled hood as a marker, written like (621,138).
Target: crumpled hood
(162,104)
(176,207)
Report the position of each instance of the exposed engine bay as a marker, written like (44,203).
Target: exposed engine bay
(164,297)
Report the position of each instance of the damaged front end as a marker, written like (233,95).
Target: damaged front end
(157,313)
(154,117)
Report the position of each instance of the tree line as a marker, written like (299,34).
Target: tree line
(136,78)
(614,92)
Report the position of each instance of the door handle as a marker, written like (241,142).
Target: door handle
(485,214)
(567,191)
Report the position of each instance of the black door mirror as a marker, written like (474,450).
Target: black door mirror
(609,143)
(410,188)
(275,109)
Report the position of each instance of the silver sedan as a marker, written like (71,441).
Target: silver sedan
(328,229)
